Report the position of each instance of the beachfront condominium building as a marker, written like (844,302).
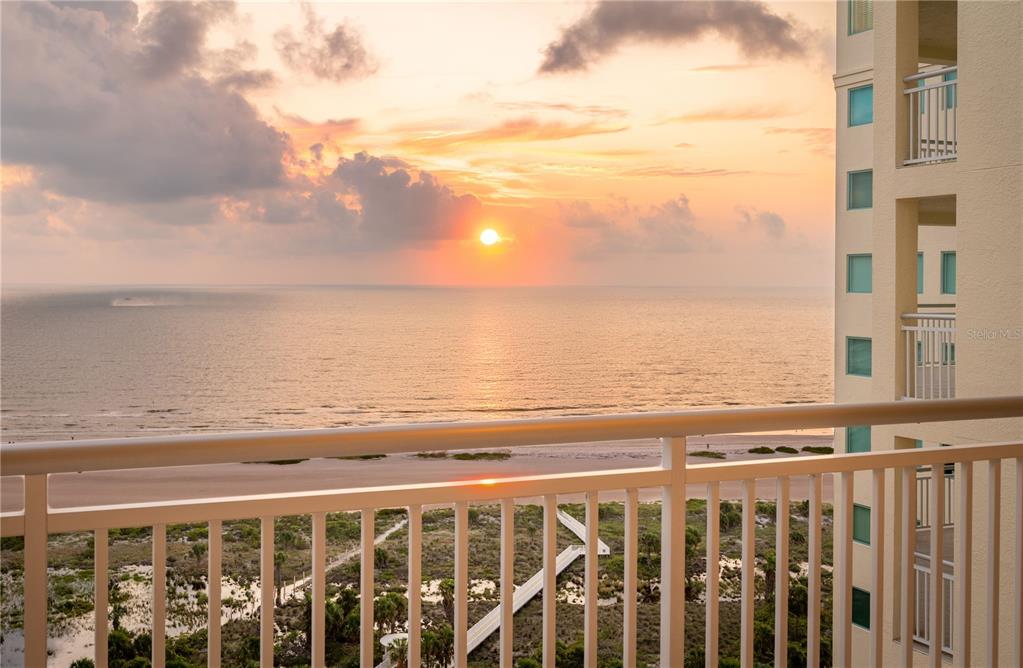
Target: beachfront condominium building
(929,285)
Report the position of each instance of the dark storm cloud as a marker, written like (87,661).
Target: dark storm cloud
(750,25)
(336,55)
(105,108)
(399,206)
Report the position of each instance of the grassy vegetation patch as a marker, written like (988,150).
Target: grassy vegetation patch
(481,456)
(761,450)
(361,457)
(279,462)
(709,454)
(819,449)
(441,454)
(787,449)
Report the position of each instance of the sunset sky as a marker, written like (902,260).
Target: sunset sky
(617,143)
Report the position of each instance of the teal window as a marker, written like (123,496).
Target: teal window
(918,443)
(861,189)
(857,439)
(861,524)
(950,91)
(861,16)
(861,105)
(861,608)
(948,273)
(857,273)
(948,353)
(919,273)
(857,356)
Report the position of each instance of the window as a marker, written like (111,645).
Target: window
(948,273)
(861,608)
(861,189)
(857,356)
(857,439)
(919,273)
(918,444)
(861,524)
(861,16)
(857,274)
(948,353)
(950,91)
(861,105)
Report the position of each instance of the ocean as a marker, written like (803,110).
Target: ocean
(104,362)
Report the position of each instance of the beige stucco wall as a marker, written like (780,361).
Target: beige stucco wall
(987,183)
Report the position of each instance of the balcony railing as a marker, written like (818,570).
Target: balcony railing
(930,340)
(37,461)
(923,497)
(924,581)
(933,111)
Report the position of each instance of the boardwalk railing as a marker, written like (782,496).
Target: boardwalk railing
(930,340)
(933,114)
(36,461)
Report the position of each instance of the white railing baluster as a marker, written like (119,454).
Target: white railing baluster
(713,574)
(994,549)
(214,552)
(630,578)
(749,513)
(319,590)
(908,562)
(36,576)
(843,571)
(101,596)
(550,579)
(937,557)
(461,584)
(813,574)
(964,566)
(266,591)
(877,583)
(415,585)
(507,581)
(159,636)
(781,575)
(367,587)
(1019,561)
(673,553)
(590,581)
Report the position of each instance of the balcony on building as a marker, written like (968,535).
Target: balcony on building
(932,91)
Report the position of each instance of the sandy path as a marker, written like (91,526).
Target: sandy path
(115,487)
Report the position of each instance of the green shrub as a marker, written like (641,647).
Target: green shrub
(432,455)
(787,449)
(761,450)
(483,456)
(709,454)
(819,449)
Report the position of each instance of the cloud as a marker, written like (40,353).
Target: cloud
(399,206)
(730,67)
(172,35)
(768,222)
(731,113)
(593,110)
(336,56)
(106,109)
(665,170)
(819,140)
(230,68)
(756,30)
(525,129)
(624,229)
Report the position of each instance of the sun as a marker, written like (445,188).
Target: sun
(489,237)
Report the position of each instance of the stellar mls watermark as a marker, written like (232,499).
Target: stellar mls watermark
(994,333)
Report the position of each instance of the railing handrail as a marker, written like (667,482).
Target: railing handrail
(933,316)
(931,73)
(184,511)
(33,458)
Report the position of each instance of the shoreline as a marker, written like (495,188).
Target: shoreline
(218,480)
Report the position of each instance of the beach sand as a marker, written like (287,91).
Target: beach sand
(189,482)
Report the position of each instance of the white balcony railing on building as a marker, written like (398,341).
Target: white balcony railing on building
(922,632)
(933,111)
(930,340)
(37,461)
(923,497)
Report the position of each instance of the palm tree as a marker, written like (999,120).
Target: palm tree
(398,651)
